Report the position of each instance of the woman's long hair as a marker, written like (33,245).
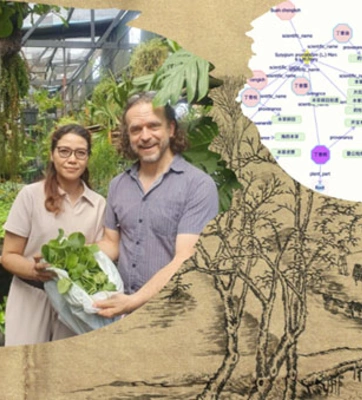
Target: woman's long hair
(53,200)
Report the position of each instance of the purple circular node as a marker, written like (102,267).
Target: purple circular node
(320,154)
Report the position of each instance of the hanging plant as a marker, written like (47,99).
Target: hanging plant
(148,57)
(14,85)
(14,79)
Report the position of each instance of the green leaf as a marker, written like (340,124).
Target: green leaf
(191,75)
(182,70)
(201,134)
(174,46)
(203,81)
(45,251)
(60,235)
(6,25)
(73,255)
(93,248)
(49,254)
(76,239)
(63,285)
(109,287)
(226,182)
(100,278)
(71,261)
(77,272)
(203,131)
(79,283)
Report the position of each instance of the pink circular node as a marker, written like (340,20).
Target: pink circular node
(300,86)
(342,33)
(250,97)
(286,10)
(258,81)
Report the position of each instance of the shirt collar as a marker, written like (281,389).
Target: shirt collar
(177,165)
(87,194)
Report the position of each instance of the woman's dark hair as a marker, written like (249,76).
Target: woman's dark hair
(53,200)
(178,142)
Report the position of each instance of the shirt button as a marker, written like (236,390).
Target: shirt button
(134,265)
(140,220)
(137,242)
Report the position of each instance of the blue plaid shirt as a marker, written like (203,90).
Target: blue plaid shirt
(183,200)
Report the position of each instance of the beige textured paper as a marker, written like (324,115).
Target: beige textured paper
(173,350)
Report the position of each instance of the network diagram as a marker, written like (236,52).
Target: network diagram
(305,92)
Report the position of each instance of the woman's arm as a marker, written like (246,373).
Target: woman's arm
(13,260)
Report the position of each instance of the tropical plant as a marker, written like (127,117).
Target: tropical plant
(185,78)
(14,79)
(180,78)
(183,75)
(201,133)
(8,192)
(104,163)
(102,107)
(46,102)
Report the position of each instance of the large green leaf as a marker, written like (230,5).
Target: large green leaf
(201,133)
(63,285)
(226,182)
(185,68)
(76,239)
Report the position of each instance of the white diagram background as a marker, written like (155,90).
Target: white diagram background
(305,95)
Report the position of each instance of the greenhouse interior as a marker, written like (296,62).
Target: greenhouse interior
(62,66)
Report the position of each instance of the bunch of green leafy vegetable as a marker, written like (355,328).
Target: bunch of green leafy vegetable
(73,255)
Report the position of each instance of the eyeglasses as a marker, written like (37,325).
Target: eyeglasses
(66,152)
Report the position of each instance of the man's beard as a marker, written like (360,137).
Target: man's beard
(153,158)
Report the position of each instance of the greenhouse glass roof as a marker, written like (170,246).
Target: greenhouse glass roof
(58,53)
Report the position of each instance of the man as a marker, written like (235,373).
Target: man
(156,209)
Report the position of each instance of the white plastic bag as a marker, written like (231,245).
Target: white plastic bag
(75,308)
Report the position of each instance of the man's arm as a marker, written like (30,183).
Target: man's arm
(123,304)
(109,243)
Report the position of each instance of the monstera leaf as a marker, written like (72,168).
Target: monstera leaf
(182,70)
(186,76)
(182,75)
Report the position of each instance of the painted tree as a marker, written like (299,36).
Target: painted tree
(338,223)
(230,261)
(269,246)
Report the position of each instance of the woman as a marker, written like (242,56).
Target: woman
(62,200)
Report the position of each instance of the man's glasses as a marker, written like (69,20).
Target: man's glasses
(65,152)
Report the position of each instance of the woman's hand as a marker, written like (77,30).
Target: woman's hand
(39,272)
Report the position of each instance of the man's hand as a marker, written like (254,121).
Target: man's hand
(117,304)
(120,303)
